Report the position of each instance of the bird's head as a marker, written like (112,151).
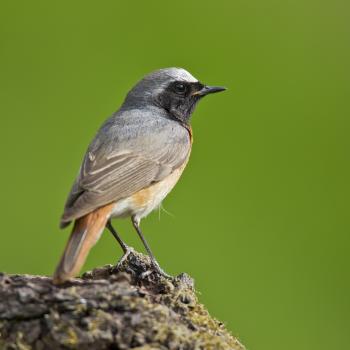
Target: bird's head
(172,89)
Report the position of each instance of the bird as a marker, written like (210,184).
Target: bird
(133,162)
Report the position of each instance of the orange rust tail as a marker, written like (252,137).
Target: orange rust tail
(86,232)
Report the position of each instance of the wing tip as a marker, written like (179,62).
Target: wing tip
(63,224)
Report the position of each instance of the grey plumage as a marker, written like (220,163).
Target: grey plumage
(125,158)
(134,161)
(139,145)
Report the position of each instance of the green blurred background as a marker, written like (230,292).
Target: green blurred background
(260,217)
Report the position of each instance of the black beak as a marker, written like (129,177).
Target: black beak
(206,90)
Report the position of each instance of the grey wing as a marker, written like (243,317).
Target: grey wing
(123,162)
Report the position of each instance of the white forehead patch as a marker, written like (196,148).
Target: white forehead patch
(175,74)
(182,74)
(162,77)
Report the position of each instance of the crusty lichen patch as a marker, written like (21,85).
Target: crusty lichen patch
(124,307)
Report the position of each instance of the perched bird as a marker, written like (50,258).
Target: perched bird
(133,162)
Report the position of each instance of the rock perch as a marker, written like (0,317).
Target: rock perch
(129,306)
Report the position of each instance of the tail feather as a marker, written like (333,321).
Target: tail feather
(86,232)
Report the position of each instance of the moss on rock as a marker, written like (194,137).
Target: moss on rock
(125,307)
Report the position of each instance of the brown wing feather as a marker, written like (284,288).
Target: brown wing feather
(117,170)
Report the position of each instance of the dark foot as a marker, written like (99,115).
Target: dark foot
(127,252)
(160,270)
(157,268)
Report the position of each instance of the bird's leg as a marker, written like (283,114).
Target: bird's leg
(126,249)
(111,229)
(155,264)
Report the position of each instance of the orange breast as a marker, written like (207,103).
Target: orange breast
(154,194)
(141,203)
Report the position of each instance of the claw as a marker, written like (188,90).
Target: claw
(160,270)
(127,252)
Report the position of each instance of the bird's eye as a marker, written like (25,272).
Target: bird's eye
(180,88)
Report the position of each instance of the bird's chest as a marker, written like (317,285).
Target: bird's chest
(143,202)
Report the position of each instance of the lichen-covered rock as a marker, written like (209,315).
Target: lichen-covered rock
(125,307)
